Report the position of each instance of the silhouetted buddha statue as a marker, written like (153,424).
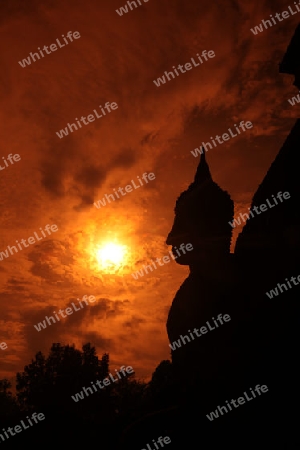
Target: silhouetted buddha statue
(202,214)
(231,357)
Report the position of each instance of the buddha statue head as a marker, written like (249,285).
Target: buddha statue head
(202,216)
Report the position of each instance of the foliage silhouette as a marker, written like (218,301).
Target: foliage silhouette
(46,385)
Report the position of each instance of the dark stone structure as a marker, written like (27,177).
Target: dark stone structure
(260,343)
(291,63)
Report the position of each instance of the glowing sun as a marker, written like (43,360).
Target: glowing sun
(111,256)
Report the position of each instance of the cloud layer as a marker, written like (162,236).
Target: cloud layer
(153,130)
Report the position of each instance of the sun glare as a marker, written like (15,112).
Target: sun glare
(111,256)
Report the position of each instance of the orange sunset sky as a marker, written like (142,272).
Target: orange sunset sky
(154,130)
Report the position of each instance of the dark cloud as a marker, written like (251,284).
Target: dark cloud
(102,344)
(134,322)
(86,176)
(52,178)
(124,159)
(118,307)
(90,176)
(40,340)
(100,308)
(48,257)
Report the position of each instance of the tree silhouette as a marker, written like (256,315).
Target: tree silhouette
(47,385)
(51,381)
(8,405)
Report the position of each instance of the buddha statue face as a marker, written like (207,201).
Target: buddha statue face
(209,240)
(180,234)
